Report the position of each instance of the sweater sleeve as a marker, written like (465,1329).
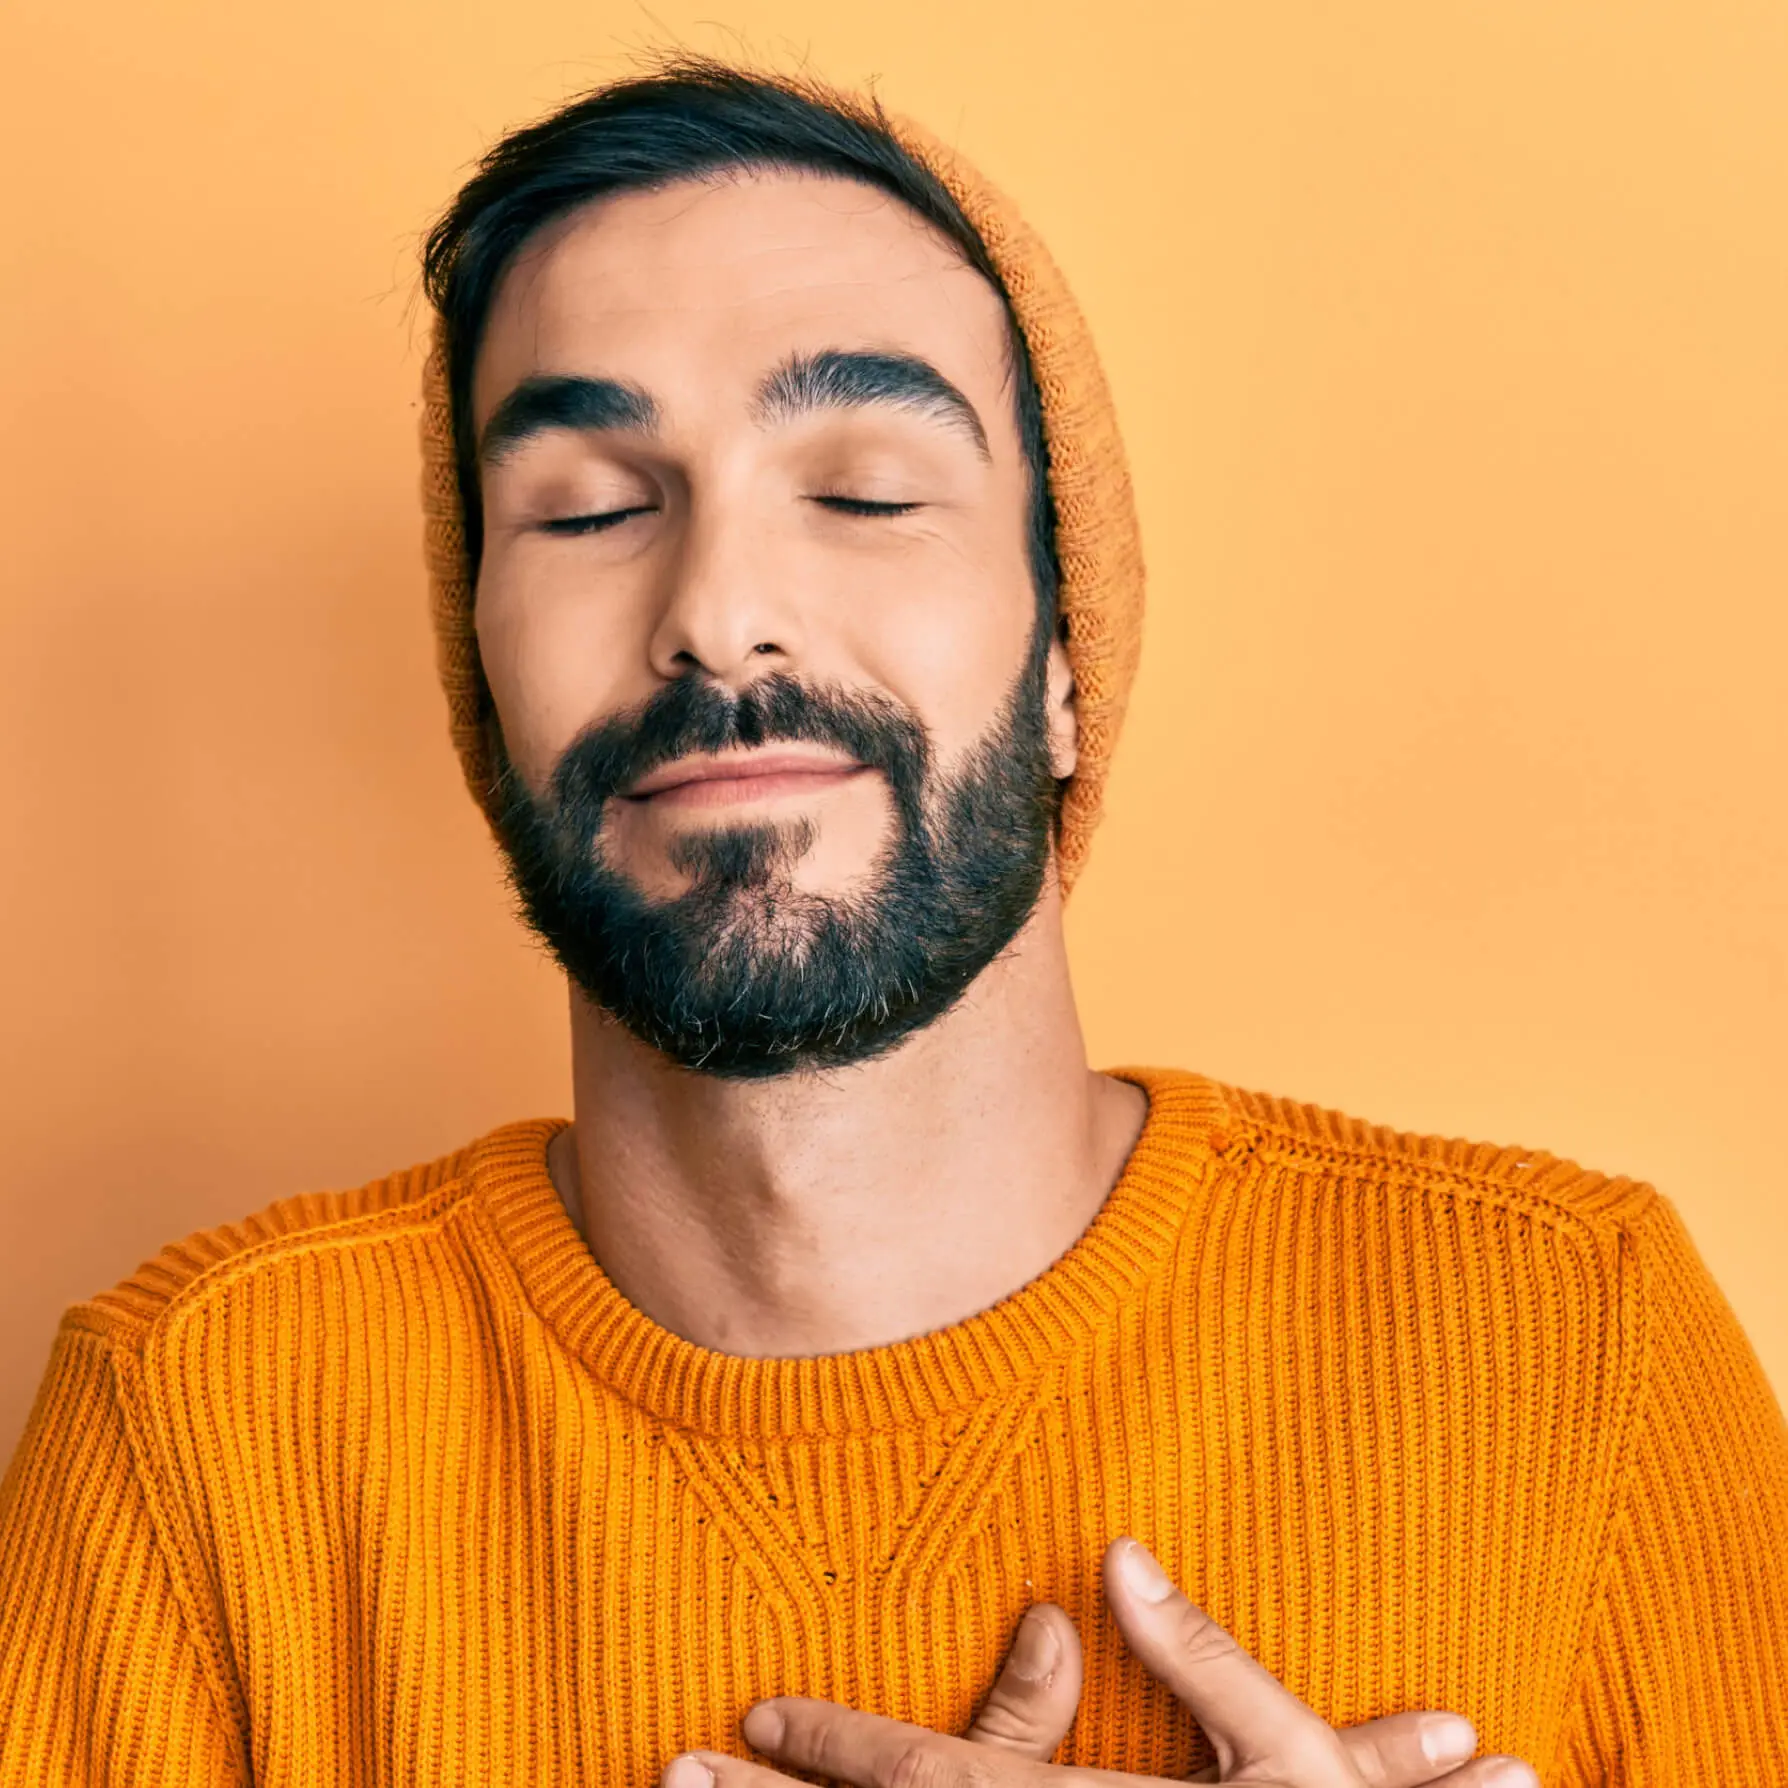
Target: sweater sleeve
(1684,1679)
(101,1682)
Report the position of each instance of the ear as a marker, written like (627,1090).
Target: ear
(1061,712)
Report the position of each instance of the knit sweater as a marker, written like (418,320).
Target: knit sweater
(394,1485)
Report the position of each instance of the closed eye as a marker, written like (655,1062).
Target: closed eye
(592,524)
(864,506)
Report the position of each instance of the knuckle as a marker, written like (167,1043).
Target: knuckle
(814,1738)
(915,1765)
(1311,1755)
(1315,1752)
(1009,1720)
(1377,1769)
(926,1763)
(1198,1639)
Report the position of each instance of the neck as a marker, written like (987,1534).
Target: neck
(824,1212)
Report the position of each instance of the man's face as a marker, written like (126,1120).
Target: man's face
(756,611)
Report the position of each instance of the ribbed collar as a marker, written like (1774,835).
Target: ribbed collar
(897,1385)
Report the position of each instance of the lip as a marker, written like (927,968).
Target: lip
(742,775)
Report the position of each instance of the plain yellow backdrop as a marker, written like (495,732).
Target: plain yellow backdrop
(1449,340)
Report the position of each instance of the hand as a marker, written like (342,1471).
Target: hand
(1262,1733)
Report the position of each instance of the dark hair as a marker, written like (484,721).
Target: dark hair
(691,118)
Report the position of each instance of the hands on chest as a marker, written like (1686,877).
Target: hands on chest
(1263,1734)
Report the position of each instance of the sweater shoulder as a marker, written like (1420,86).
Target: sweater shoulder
(423,1194)
(1532,1181)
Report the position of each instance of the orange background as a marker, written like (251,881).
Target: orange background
(1450,345)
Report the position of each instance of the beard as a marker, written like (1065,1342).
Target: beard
(744,975)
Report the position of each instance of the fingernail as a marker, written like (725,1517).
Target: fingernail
(1510,1772)
(1034,1651)
(1144,1576)
(1448,1739)
(688,1772)
(762,1727)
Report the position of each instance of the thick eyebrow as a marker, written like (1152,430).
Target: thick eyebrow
(563,400)
(837,379)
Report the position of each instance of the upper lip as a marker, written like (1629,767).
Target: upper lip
(769,762)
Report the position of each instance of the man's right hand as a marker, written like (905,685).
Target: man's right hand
(1253,1720)
(1262,1733)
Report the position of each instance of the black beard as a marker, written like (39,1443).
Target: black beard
(744,976)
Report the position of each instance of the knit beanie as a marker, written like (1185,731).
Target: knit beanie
(1097,541)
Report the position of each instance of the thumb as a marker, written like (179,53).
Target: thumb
(1032,1704)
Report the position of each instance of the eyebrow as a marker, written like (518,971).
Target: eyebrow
(563,400)
(835,379)
(838,379)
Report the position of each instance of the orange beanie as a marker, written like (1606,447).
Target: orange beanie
(1097,541)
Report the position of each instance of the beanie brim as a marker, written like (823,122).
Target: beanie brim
(1098,543)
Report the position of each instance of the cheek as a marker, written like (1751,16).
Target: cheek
(553,660)
(950,641)
(940,619)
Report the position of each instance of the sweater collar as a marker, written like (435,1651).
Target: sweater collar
(897,1385)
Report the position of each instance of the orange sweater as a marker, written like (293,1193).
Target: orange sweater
(393,1485)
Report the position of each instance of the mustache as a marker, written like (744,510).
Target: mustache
(696,715)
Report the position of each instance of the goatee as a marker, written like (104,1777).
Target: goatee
(744,975)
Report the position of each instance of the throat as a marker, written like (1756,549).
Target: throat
(833,1210)
(847,1248)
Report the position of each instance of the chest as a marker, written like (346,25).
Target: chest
(529,1584)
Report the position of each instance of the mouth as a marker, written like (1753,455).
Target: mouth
(737,777)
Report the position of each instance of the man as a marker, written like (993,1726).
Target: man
(854,1333)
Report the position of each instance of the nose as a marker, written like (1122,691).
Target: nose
(725,610)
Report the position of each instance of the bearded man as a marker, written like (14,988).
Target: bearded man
(855,1335)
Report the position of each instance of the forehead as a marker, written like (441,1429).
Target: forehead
(708,281)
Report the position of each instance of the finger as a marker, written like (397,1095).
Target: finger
(712,1769)
(1490,1772)
(1250,1716)
(1406,1750)
(1031,1705)
(1420,1750)
(871,1751)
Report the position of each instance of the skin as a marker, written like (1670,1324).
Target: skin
(811,1214)
(819,1213)
(1262,1734)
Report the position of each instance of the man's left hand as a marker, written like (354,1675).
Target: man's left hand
(1262,1732)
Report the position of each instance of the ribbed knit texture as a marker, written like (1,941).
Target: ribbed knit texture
(394,1486)
(1098,543)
